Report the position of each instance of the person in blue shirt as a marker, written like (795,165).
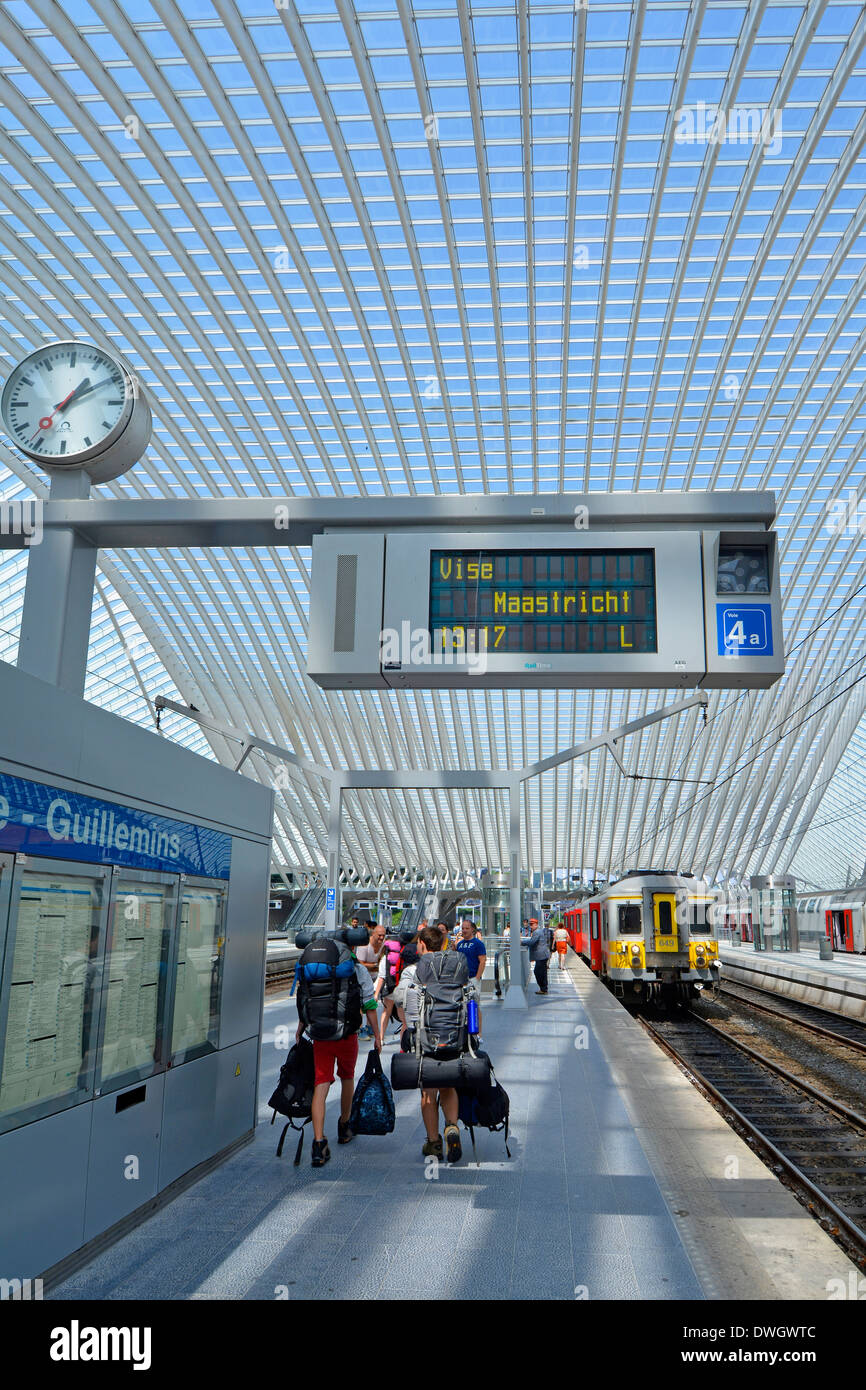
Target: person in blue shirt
(472,947)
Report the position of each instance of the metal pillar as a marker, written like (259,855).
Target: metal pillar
(58,597)
(515,997)
(335,827)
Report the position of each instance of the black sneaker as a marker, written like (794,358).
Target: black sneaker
(452,1143)
(321,1153)
(344,1134)
(433,1148)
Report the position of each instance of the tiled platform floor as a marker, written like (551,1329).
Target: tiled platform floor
(576,1212)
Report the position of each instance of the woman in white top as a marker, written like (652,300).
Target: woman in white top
(560,941)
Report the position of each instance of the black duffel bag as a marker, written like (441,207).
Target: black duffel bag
(409,1072)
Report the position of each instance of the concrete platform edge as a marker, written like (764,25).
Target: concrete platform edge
(747,1236)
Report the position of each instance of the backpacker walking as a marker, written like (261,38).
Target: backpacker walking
(446,980)
(333,991)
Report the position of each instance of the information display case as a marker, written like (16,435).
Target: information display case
(50,988)
(141,919)
(198,970)
(105,974)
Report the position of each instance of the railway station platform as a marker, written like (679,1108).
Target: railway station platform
(624,1183)
(838,984)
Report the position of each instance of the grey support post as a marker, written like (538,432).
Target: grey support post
(58,597)
(335,827)
(515,997)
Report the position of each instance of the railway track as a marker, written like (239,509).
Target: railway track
(836,1027)
(818,1142)
(279,979)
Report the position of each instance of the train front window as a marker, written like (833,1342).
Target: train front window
(629,920)
(665,922)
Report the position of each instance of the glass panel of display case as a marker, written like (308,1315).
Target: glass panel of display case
(141,917)
(198,978)
(47,1008)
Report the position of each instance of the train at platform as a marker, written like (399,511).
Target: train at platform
(648,936)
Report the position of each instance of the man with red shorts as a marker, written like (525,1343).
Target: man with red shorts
(343,1052)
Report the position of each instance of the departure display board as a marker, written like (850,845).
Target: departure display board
(553,601)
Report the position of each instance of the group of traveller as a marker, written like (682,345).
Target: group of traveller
(386,958)
(385,971)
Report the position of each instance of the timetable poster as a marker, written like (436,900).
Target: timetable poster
(199,961)
(47,1024)
(136,963)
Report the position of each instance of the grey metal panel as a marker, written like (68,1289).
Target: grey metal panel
(115,1139)
(43,1174)
(240,521)
(743,670)
(237,1078)
(327,660)
(346,599)
(47,725)
(189,1122)
(62,739)
(246,942)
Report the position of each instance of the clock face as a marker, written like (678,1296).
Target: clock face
(66,403)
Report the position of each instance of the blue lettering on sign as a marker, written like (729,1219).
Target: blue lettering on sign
(331,899)
(744,629)
(49,821)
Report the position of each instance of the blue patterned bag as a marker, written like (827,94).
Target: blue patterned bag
(373,1110)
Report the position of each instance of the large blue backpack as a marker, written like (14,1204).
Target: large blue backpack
(329,995)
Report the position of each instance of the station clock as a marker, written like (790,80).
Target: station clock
(71,405)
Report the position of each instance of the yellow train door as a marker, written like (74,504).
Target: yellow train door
(665,922)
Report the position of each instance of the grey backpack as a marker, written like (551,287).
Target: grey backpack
(442,982)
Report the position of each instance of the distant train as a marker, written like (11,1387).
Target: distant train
(838,916)
(648,936)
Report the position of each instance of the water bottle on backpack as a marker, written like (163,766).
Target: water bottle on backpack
(472,1016)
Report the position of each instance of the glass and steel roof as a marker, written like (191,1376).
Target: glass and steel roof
(370,248)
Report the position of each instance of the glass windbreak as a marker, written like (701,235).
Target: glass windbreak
(629,919)
(139,933)
(47,1019)
(198,979)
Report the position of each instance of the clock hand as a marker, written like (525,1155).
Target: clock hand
(80,390)
(95,387)
(48,420)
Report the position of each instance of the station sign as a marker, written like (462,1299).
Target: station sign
(637,606)
(53,822)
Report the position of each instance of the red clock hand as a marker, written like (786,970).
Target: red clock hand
(48,420)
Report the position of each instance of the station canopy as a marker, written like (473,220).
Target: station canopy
(375,248)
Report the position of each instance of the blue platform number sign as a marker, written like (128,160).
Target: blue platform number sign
(331,899)
(744,630)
